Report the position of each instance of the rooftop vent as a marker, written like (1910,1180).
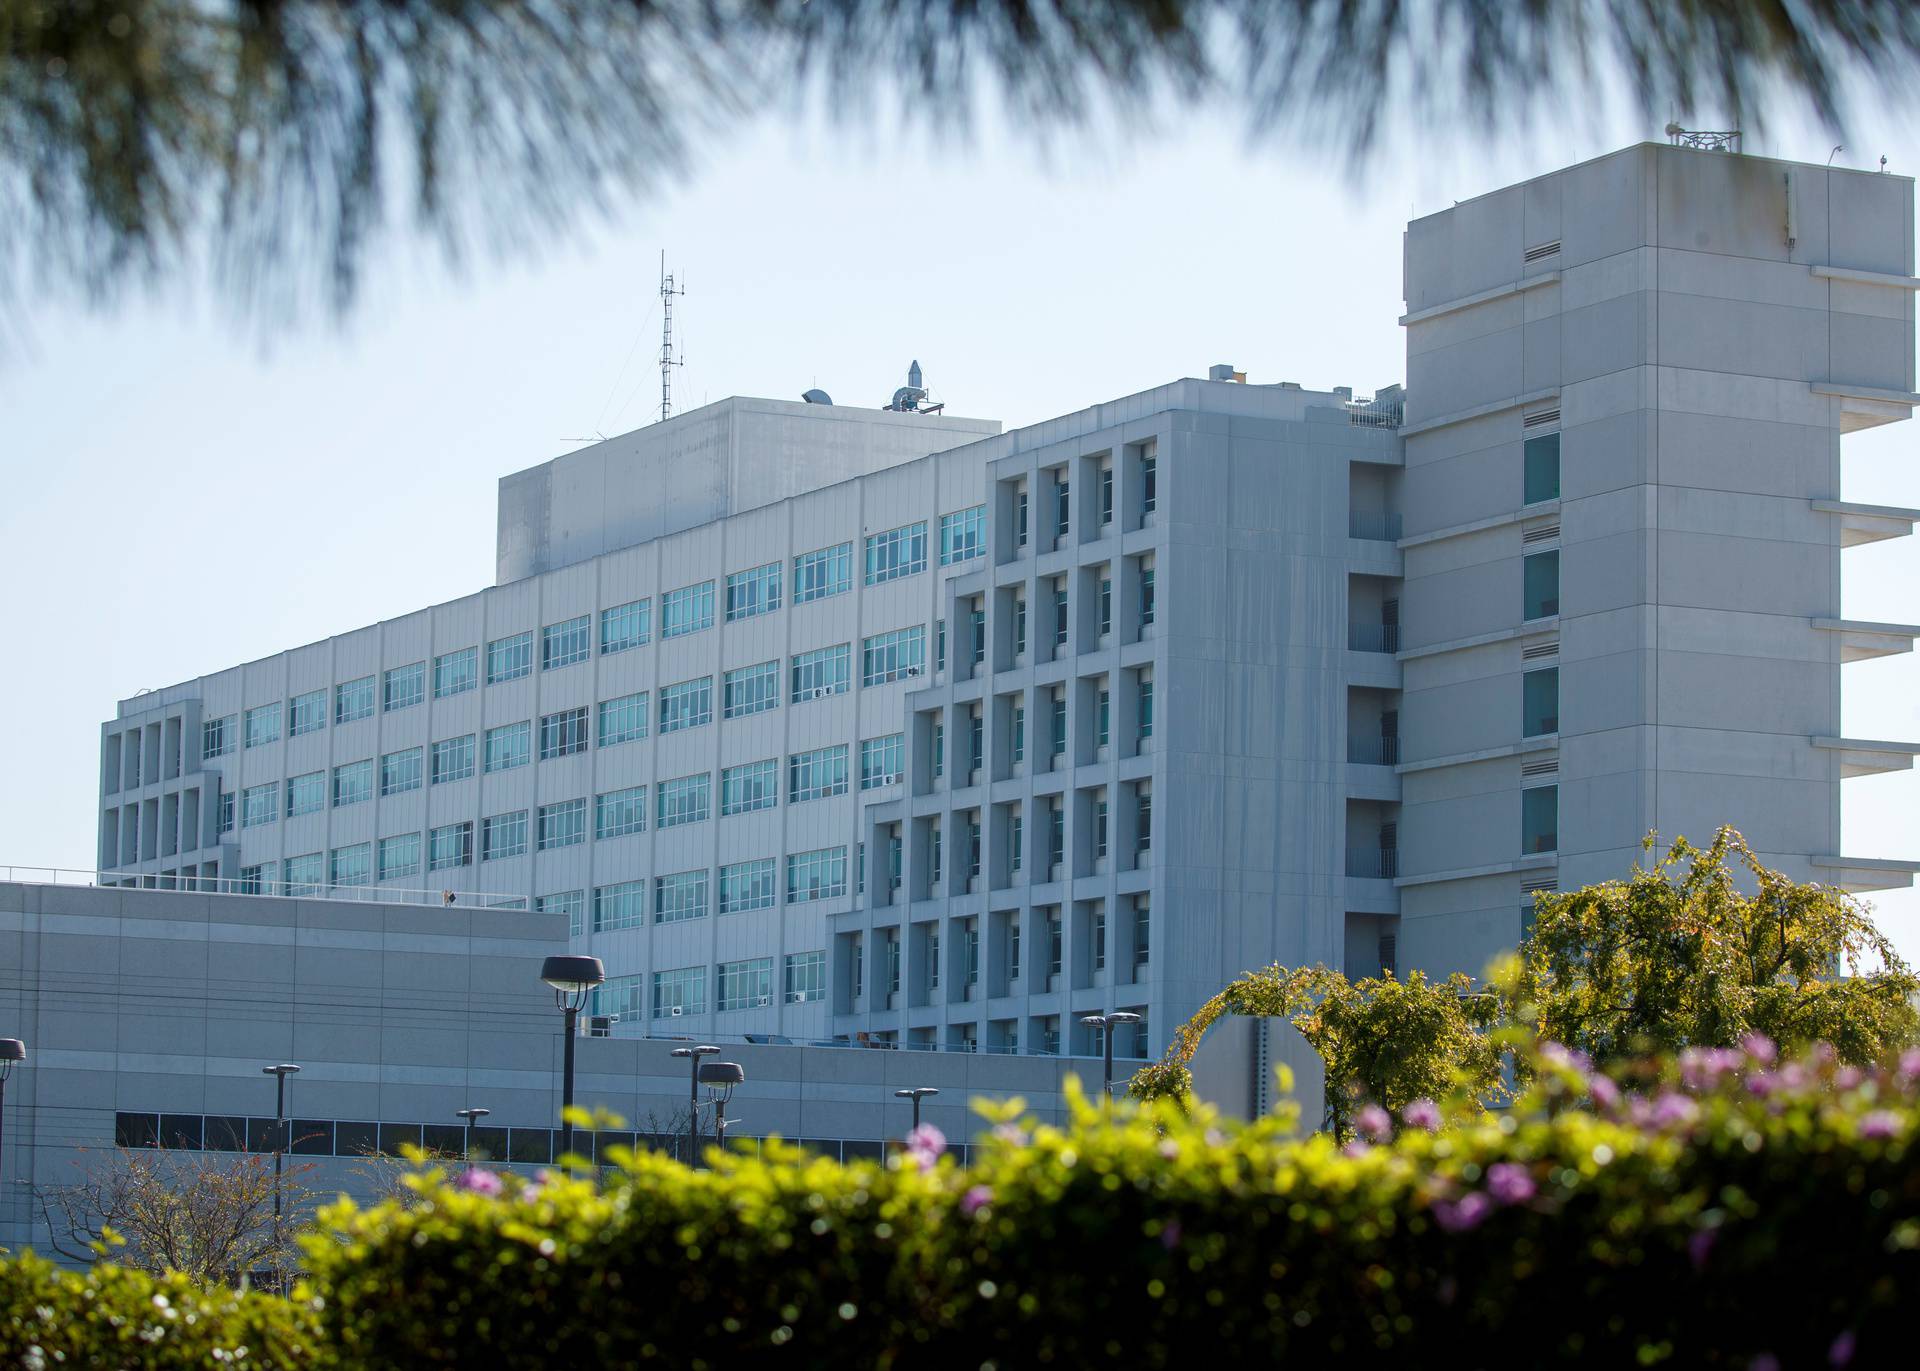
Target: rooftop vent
(817,397)
(1223,371)
(912,397)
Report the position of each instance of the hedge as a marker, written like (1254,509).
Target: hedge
(1724,1209)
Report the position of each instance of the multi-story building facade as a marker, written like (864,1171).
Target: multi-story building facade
(856,725)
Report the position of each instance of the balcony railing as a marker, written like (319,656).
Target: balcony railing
(1374,751)
(366,892)
(1374,863)
(1374,527)
(1373,637)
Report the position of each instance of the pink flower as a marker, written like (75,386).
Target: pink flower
(925,1144)
(976,1199)
(1605,1093)
(1421,1113)
(1844,1346)
(1672,1110)
(1373,1123)
(1848,1078)
(1881,1123)
(1359,1147)
(1509,1183)
(1762,1083)
(1169,1149)
(1760,1047)
(1463,1214)
(479,1181)
(1170,1234)
(1910,1063)
(1699,1246)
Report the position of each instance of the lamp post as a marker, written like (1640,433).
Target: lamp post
(720,1078)
(572,979)
(916,1093)
(471,1117)
(12,1053)
(279,1074)
(1109,1022)
(693,1056)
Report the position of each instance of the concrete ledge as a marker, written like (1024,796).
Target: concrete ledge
(1861,639)
(1546,742)
(1868,278)
(1517,516)
(1868,523)
(1460,416)
(1484,297)
(1533,862)
(1867,873)
(1529,629)
(1870,756)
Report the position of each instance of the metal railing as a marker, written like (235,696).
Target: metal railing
(224,885)
(1373,863)
(1373,637)
(1377,528)
(1374,751)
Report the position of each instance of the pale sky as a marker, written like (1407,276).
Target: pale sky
(177,496)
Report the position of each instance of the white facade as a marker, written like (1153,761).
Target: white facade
(1292,645)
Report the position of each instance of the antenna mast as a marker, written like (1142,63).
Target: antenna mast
(667,362)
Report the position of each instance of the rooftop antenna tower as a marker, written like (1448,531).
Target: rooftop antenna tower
(667,362)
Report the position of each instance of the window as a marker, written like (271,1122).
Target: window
(1540,819)
(503,835)
(1062,505)
(455,673)
(508,746)
(307,713)
(399,856)
(817,775)
(351,865)
(825,671)
(977,636)
(933,958)
(1540,463)
(684,800)
(818,875)
(1060,614)
(353,700)
(976,739)
(1013,947)
(935,854)
(1019,625)
(893,963)
(508,659)
(619,906)
(882,760)
(1100,827)
(1056,834)
(747,885)
(563,734)
(1540,702)
(753,592)
(306,794)
(1102,717)
(1149,484)
(1142,932)
(1146,709)
(263,725)
(750,786)
(683,991)
(216,737)
(1059,723)
(746,985)
(1053,942)
(1019,734)
(572,903)
(620,812)
(1540,585)
(1020,517)
(686,610)
(623,720)
(973,846)
(750,690)
(625,626)
(452,760)
(807,977)
(403,687)
(963,535)
(939,644)
(1016,849)
(686,705)
(259,804)
(680,896)
(939,751)
(565,643)
(1106,495)
(226,811)
(897,552)
(450,846)
(253,880)
(1143,822)
(305,874)
(563,824)
(891,656)
(817,575)
(1146,597)
(352,783)
(400,771)
(1106,605)
(1100,941)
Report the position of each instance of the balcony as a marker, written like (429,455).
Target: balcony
(1373,863)
(1373,527)
(1373,637)
(1373,751)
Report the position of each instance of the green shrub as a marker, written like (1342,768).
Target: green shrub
(114,1317)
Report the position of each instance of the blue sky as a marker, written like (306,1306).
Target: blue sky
(178,494)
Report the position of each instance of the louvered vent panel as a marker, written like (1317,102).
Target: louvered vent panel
(1543,250)
(1540,416)
(1547,767)
(1533,652)
(1540,533)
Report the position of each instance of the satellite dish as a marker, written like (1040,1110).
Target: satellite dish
(817,397)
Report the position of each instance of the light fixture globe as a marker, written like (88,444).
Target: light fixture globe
(572,975)
(722,1077)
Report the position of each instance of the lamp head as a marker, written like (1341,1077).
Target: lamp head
(284,1069)
(12,1053)
(471,1115)
(572,978)
(722,1077)
(916,1092)
(1123,1016)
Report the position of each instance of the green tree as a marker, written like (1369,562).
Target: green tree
(1383,1040)
(1678,955)
(272,140)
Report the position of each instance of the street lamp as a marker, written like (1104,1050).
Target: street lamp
(572,979)
(720,1078)
(1109,1022)
(693,1056)
(279,1074)
(915,1094)
(471,1117)
(12,1053)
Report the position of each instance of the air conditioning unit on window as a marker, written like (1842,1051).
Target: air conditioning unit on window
(674,1012)
(762,1001)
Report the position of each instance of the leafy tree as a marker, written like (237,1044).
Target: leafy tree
(1678,955)
(271,139)
(1383,1040)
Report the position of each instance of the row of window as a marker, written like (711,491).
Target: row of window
(1060,521)
(745,984)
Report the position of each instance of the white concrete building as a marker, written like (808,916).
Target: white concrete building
(853,725)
